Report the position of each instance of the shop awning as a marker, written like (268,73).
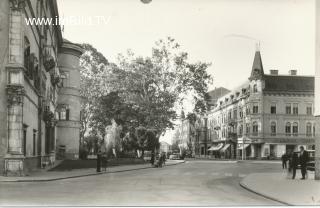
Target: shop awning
(241,146)
(216,147)
(225,147)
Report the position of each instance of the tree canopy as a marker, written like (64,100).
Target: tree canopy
(140,93)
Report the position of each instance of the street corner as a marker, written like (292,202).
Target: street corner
(278,187)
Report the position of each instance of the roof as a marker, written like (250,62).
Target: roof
(289,83)
(257,68)
(217,93)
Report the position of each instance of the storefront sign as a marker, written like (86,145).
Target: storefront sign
(289,140)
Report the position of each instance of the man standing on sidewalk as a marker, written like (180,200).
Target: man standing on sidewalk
(303,162)
(284,161)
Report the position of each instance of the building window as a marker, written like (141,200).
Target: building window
(309,129)
(273,109)
(295,109)
(65,78)
(255,88)
(288,129)
(288,108)
(229,115)
(255,108)
(295,129)
(273,128)
(309,109)
(235,114)
(64,114)
(255,129)
(15,77)
(247,110)
(240,130)
(314,130)
(247,129)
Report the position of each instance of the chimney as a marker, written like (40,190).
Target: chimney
(274,72)
(293,72)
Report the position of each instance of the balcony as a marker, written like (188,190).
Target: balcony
(232,122)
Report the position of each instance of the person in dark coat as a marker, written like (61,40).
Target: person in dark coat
(304,158)
(284,161)
(294,164)
(152,158)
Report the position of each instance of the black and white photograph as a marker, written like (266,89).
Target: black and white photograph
(166,103)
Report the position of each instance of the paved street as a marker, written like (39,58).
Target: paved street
(202,183)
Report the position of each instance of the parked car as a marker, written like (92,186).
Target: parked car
(174,157)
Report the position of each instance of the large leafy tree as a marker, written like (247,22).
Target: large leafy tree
(94,75)
(154,85)
(140,93)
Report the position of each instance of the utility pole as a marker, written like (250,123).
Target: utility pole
(317,93)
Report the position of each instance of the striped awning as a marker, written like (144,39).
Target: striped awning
(215,147)
(225,147)
(241,146)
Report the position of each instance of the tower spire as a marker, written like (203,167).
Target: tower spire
(257,67)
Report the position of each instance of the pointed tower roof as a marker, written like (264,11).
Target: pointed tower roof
(257,68)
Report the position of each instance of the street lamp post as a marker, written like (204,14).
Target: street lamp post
(205,135)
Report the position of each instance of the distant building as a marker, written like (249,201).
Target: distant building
(265,117)
(215,94)
(39,89)
(165,147)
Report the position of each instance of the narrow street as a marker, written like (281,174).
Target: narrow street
(195,183)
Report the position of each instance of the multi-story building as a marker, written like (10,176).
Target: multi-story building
(266,116)
(39,88)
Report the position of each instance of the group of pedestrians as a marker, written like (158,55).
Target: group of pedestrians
(159,160)
(294,161)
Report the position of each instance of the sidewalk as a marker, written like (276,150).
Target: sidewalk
(278,187)
(44,175)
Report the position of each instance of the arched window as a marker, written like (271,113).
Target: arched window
(255,88)
(255,128)
(273,128)
(288,129)
(295,128)
(309,129)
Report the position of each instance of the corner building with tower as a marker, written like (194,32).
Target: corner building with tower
(39,89)
(266,116)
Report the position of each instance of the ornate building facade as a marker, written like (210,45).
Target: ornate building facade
(266,116)
(39,88)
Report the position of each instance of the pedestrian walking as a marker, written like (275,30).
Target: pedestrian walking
(152,158)
(99,155)
(294,164)
(303,159)
(284,161)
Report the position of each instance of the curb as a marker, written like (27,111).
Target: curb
(85,175)
(263,195)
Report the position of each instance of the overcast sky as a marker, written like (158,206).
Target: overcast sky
(223,32)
